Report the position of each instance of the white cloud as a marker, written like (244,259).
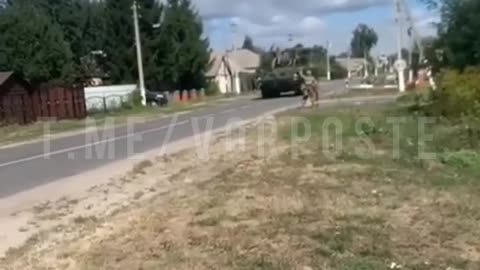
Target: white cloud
(425,20)
(272,20)
(261,11)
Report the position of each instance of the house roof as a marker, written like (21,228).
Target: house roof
(215,63)
(216,60)
(4,76)
(234,66)
(245,59)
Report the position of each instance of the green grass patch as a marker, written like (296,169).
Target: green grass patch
(391,136)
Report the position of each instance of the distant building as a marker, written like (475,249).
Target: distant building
(245,59)
(354,66)
(233,71)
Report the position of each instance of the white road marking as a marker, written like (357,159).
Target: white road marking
(206,116)
(69,149)
(228,111)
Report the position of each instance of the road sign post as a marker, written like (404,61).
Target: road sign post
(400,66)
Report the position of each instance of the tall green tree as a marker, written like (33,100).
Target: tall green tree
(81,23)
(120,38)
(248,44)
(364,39)
(33,45)
(120,44)
(182,55)
(458,31)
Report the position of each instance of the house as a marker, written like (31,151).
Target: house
(246,59)
(15,99)
(219,73)
(234,71)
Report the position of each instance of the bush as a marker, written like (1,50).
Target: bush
(338,72)
(212,89)
(136,99)
(461,159)
(459,92)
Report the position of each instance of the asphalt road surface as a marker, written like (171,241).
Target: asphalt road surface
(27,166)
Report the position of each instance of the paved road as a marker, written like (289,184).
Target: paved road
(31,165)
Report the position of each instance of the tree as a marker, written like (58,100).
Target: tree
(120,44)
(248,44)
(364,39)
(81,23)
(458,31)
(56,39)
(181,53)
(34,47)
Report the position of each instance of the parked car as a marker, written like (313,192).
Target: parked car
(156,98)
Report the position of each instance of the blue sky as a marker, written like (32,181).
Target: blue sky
(309,21)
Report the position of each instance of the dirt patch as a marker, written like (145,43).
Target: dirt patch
(243,210)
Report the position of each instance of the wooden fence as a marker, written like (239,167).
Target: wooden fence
(16,109)
(59,103)
(43,102)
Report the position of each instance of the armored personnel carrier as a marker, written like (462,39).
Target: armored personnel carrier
(279,81)
(283,76)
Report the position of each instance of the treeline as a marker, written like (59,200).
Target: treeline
(455,56)
(458,41)
(73,40)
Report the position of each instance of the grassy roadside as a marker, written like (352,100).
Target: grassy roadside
(366,92)
(332,200)
(319,210)
(15,134)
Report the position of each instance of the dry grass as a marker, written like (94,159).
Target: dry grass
(283,213)
(367,92)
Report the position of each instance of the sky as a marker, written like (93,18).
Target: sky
(308,21)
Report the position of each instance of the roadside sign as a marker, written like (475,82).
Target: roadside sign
(400,65)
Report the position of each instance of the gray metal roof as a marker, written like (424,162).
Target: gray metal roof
(4,76)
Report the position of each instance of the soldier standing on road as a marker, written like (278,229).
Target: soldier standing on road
(309,87)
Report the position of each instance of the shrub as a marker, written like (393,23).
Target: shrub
(136,99)
(338,72)
(459,92)
(212,89)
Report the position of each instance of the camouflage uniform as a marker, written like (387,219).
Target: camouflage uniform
(308,81)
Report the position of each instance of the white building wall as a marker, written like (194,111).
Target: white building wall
(223,79)
(112,94)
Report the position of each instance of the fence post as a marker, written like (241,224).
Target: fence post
(176,96)
(167,96)
(202,94)
(193,94)
(104,104)
(184,95)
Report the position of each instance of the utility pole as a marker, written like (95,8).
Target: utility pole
(349,69)
(329,73)
(400,64)
(410,65)
(138,43)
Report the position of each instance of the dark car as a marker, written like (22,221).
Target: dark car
(156,98)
